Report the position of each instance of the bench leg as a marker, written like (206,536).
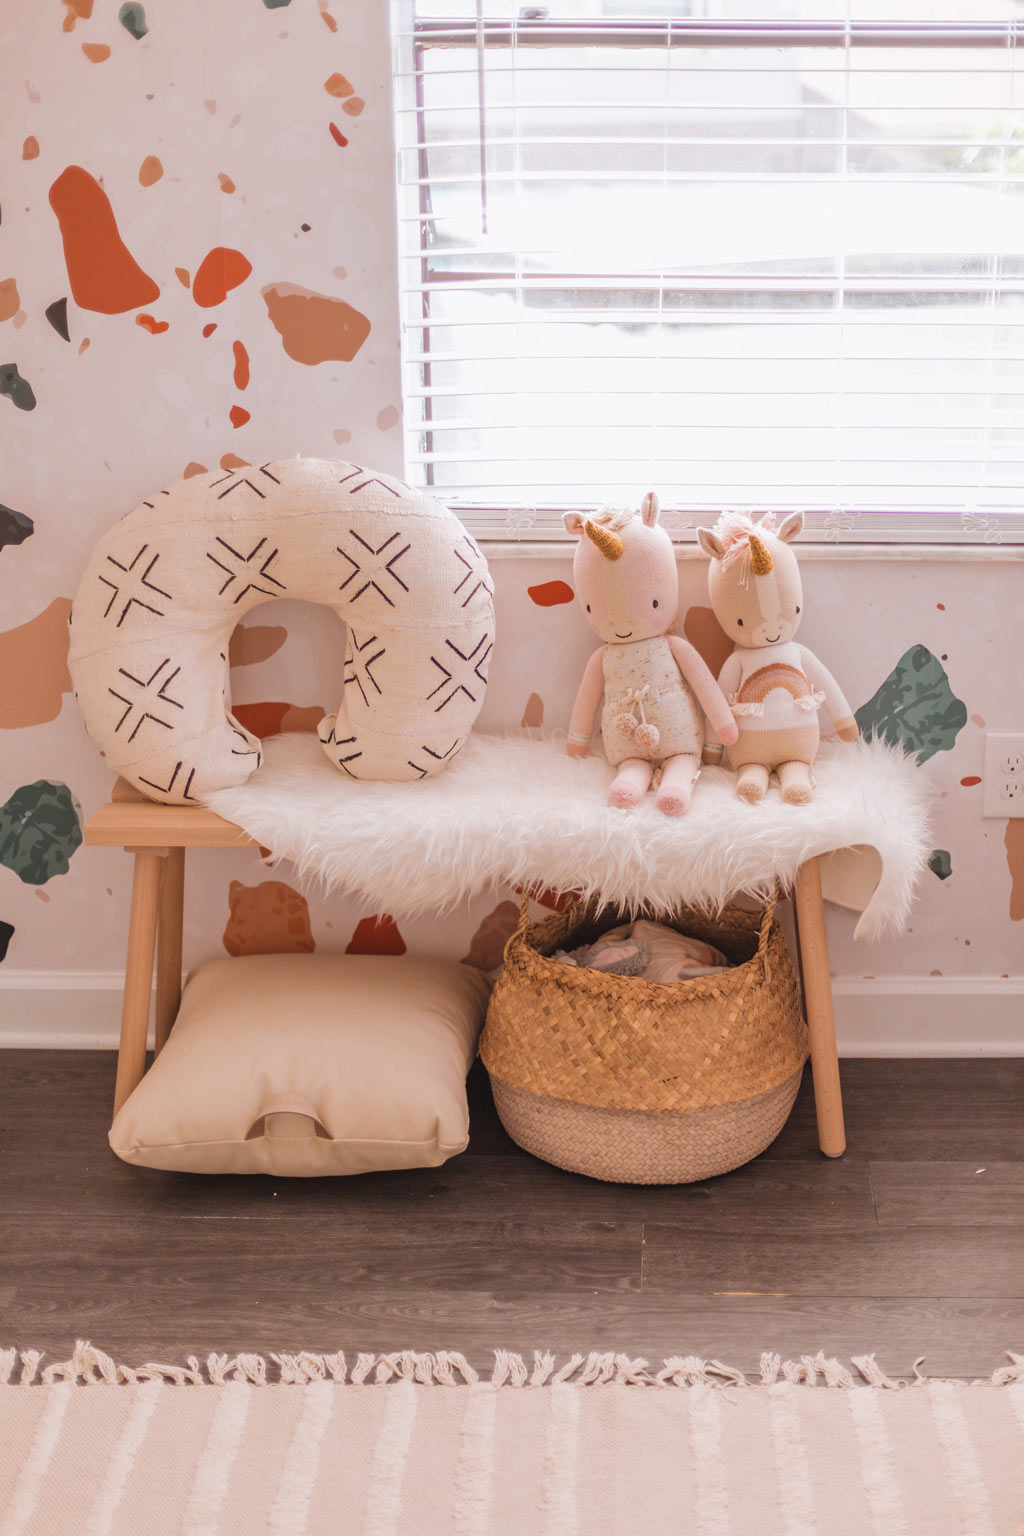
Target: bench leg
(168,944)
(821,1024)
(138,972)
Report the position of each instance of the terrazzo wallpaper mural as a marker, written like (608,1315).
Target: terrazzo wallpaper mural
(197,270)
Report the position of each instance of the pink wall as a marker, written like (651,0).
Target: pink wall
(236,101)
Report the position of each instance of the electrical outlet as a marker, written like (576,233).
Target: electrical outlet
(1003,782)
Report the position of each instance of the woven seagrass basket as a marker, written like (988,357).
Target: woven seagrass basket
(641,1082)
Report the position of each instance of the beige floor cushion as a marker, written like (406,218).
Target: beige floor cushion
(310,1064)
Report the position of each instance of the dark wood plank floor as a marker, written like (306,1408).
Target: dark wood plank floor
(911,1245)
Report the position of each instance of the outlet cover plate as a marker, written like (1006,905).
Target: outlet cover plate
(1003,782)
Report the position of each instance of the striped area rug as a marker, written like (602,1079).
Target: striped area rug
(417,1445)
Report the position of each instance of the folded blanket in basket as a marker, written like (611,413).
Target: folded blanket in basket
(651,950)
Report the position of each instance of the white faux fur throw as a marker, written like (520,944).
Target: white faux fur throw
(517,811)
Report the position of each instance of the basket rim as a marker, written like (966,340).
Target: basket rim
(572,978)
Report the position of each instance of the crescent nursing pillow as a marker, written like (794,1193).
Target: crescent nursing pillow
(166,586)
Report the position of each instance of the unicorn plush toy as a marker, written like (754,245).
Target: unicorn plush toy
(773,685)
(628,585)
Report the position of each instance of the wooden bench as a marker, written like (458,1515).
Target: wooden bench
(158,836)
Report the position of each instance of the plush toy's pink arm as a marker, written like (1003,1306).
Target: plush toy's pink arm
(728,681)
(584,711)
(711,698)
(821,678)
(731,674)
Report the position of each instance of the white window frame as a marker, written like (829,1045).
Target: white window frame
(977,530)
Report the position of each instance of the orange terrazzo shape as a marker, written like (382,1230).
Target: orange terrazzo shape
(241,374)
(314,327)
(103,274)
(34,673)
(376,936)
(254,643)
(338,85)
(10,303)
(1014,844)
(220,270)
(267,919)
(549,594)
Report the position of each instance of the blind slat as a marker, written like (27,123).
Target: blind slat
(707,32)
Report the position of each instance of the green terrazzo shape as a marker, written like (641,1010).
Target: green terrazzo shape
(40,828)
(15,527)
(16,388)
(940,863)
(915,708)
(132,17)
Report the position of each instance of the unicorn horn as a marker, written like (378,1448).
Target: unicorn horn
(760,559)
(610,545)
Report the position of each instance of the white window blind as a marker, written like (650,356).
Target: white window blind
(772,263)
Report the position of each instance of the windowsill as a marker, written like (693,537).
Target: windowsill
(982,554)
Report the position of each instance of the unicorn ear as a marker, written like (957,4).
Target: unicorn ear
(710,543)
(791,526)
(649,509)
(573,522)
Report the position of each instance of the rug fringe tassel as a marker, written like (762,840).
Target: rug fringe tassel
(806,1370)
(1010,1375)
(449,1368)
(872,1372)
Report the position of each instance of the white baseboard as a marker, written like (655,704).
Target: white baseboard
(61,1010)
(929,1015)
(883,1016)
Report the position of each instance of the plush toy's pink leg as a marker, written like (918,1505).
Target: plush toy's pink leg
(752,781)
(795,783)
(677,781)
(631,782)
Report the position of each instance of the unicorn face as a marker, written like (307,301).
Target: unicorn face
(625,573)
(754,580)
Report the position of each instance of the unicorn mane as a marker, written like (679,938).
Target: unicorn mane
(613,517)
(734,530)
